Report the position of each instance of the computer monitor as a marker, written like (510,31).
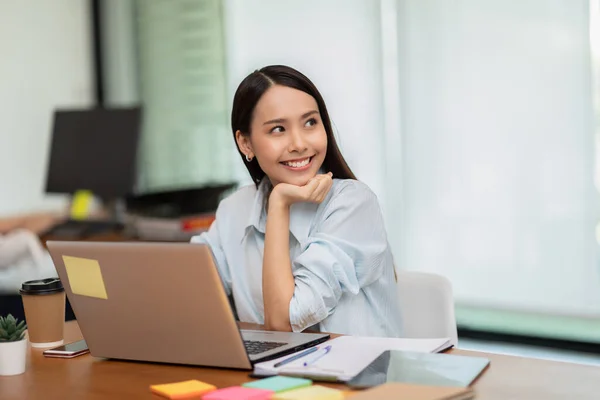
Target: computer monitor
(95,150)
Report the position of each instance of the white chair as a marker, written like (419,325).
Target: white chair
(427,306)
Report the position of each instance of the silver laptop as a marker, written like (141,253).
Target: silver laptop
(161,302)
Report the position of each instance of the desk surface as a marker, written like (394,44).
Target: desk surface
(86,377)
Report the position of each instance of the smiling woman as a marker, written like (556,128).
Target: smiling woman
(335,271)
(284,108)
(289,148)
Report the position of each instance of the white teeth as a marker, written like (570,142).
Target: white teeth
(298,164)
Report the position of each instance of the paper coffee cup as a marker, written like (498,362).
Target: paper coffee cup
(44,304)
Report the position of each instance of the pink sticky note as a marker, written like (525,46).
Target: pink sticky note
(239,393)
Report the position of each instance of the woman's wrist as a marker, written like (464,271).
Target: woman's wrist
(277,201)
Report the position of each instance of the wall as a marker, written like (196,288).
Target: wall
(46,63)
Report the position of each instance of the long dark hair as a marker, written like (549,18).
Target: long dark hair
(252,89)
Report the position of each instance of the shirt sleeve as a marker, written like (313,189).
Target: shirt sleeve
(344,254)
(212,238)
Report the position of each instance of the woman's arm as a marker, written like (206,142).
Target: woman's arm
(277,279)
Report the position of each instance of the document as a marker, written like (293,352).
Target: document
(348,356)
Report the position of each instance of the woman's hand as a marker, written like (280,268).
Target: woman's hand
(314,191)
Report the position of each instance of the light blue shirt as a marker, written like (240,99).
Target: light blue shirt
(341,260)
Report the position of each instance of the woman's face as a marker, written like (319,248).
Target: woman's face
(287,136)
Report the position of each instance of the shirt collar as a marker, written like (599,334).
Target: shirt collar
(258,212)
(301,214)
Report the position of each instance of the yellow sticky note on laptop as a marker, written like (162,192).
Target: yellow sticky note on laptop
(315,392)
(85,277)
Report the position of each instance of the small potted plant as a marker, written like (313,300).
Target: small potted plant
(13,346)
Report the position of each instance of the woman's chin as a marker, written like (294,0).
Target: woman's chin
(297,180)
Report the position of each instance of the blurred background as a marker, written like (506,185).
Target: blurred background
(475,122)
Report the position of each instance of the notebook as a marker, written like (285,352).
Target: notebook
(395,391)
(349,355)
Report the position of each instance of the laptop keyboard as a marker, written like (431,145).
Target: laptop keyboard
(255,347)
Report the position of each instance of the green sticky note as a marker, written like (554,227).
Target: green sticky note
(279,383)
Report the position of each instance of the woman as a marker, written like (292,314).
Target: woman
(305,246)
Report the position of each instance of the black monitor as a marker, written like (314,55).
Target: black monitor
(95,150)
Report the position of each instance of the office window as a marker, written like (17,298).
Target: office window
(498,152)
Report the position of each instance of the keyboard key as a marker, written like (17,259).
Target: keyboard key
(256,347)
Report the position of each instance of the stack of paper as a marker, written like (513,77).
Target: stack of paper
(348,356)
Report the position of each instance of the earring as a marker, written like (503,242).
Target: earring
(248,158)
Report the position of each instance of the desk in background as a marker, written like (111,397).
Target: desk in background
(87,377)
(10,301)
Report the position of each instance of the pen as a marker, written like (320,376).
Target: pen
(317,357)
(297,356)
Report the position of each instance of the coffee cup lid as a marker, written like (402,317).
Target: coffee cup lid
(42,286)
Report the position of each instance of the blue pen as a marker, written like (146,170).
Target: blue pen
(318,356)
(297,356)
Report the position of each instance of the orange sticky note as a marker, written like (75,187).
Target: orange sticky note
(182,390)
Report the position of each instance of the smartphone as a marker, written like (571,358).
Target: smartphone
(68,350)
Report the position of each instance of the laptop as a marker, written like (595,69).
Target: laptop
(161,302)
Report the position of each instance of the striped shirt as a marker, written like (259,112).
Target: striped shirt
(341,261)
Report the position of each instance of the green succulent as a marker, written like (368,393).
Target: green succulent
(10,330)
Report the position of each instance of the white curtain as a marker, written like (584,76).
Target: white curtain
(497,170)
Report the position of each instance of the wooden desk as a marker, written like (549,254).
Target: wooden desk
(86,377)
(105,237)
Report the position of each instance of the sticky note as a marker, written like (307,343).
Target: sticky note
(80,206)
(85,277)
(182,390)
(315,392)
(279,383)
(239,393)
